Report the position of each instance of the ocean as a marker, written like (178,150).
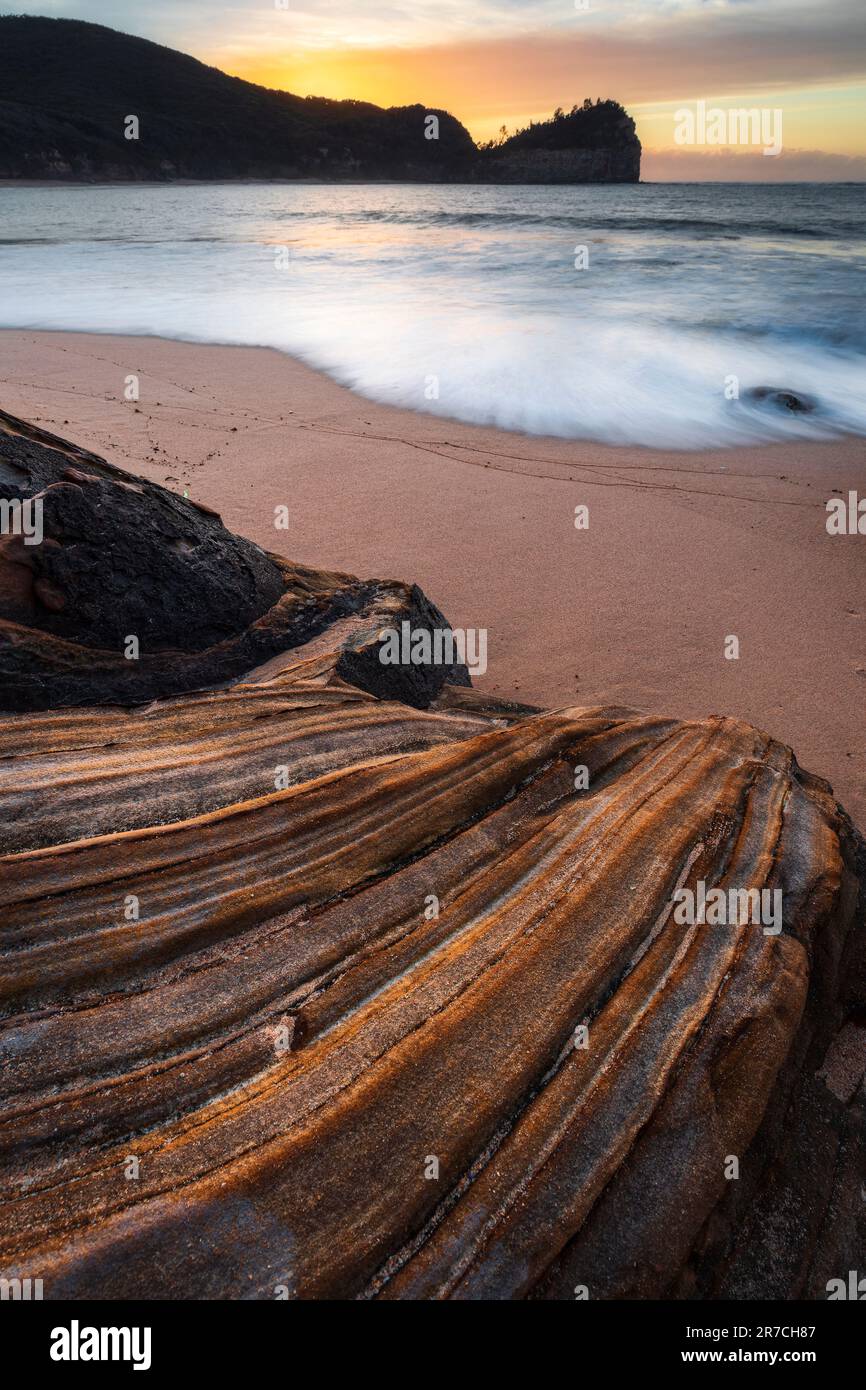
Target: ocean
(630,314)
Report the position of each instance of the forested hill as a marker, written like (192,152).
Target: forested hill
(68,90)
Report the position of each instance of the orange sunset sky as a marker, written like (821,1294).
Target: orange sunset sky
(495,62)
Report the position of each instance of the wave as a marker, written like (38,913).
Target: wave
(618,384)
(695,226)
(506,330)
(127,240)
(621,385)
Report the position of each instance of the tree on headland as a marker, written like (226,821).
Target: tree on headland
(595,123)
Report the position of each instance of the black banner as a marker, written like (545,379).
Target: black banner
(155,1338)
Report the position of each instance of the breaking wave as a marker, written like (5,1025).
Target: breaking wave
(472,302)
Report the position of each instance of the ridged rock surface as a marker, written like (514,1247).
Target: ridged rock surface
(332,1056)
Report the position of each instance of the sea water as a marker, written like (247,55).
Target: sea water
(631,314)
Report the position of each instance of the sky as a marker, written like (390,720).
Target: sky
(495,62)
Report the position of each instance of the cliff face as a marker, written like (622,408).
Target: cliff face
(593,143)
(565,166)
(417,1019)
(67,89)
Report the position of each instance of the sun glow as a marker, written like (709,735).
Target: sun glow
(484,97)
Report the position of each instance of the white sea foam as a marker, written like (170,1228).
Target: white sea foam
(467,303)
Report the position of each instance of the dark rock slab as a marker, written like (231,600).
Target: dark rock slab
(121,557)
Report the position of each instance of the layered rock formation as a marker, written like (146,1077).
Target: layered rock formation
(310,992)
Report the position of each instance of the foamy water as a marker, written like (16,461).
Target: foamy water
(466,302)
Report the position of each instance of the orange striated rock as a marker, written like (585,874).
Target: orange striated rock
(326,1040)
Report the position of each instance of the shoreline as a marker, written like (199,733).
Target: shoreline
(683,548)
(6,182)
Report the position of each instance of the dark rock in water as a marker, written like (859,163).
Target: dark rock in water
(121,557)
(418,1019)
(785,399)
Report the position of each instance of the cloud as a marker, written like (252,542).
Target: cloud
(725,166)
(708,33)
(684,64)
(491,61)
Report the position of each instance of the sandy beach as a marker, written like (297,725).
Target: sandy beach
(682,549)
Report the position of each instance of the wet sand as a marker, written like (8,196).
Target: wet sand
(682,551)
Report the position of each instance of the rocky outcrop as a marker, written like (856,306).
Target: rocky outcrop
(134,592)
(593,143)
(306,991)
